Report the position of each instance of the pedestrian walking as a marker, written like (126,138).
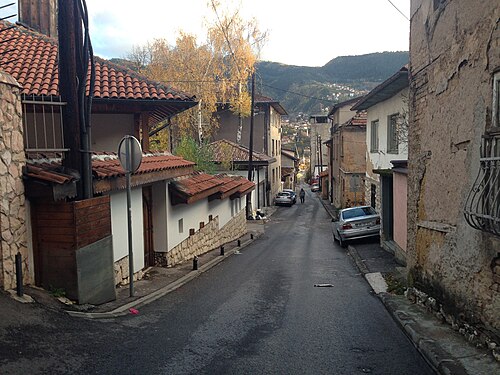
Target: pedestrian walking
(302,195)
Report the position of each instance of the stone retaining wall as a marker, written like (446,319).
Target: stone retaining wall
(208,238)
(12,201)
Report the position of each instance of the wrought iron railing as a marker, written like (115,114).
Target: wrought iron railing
(482,207)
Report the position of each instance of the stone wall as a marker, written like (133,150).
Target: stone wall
(12,204)
(208,238)
(121,272)
(450,110)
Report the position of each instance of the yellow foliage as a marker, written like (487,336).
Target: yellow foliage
(216,71)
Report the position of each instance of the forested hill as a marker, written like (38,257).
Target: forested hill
(339,79)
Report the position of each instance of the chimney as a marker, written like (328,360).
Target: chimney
(40,15)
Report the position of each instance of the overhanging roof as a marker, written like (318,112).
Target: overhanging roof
(385,90)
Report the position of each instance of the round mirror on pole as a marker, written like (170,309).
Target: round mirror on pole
(130,153)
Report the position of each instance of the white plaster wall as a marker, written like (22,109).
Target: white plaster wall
(160,222)
(261,182)
(109,129)
(119,226)
(192,214)
(380,111)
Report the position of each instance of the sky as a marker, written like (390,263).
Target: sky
(307,33)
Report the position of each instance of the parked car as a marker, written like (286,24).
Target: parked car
(356,222)
(283,199)
(315,187)
(292,193)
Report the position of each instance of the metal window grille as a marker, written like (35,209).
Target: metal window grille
(482,207)
(43,124)
(374,136)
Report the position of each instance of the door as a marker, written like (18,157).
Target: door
(387,209)
(147,211)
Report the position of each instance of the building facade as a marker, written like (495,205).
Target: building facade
(454,143)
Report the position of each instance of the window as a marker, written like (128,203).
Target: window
(392,134)
(496,100)
(273,175)
(374,136)
(181,225)
(273,148)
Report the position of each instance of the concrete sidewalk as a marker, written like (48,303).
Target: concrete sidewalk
(445,349)
(156,281)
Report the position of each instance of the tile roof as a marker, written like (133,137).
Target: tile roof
(32,58)
(105,166)
(200,185)
(359,119)
(225,150)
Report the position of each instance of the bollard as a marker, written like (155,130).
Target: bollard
(19,275)
(251,236)
(195,263)
(239,243)
(222,250)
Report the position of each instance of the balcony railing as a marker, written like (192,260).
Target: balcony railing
(482,207)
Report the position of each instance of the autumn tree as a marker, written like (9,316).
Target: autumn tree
(216,70)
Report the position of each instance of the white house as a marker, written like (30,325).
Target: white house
(386,140)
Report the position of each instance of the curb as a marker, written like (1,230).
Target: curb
(439,359)
(123,310)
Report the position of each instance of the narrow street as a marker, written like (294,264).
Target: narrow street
(258,312)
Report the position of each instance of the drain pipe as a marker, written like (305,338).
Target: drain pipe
(19,275)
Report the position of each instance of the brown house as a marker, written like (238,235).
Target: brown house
(454,151)
(349,161)
(266,136)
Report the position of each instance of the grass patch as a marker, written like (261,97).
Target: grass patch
(57,292)
(394,285)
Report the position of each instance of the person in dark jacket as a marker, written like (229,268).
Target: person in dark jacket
(302,195)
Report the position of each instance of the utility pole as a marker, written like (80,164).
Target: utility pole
(70,44)
(320,163)
(75,53)
(250,148)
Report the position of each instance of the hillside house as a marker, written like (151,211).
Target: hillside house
(266,136)
(453,250)
(386,139)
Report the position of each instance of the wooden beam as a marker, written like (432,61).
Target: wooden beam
(145,131)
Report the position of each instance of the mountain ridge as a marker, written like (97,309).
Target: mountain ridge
(304,89)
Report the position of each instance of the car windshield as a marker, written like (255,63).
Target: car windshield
(358,211)
(283,194)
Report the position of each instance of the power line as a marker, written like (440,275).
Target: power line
(404,15)
(296,93)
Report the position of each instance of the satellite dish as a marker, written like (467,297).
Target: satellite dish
(130,153)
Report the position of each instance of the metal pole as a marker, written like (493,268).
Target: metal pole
(321,164)
(19,274)
(250,149)
(129,218)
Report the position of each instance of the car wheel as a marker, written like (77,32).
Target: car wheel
(342,242)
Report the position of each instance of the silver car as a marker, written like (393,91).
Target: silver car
(356,222)
(283,199)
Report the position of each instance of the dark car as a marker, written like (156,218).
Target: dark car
(356,222)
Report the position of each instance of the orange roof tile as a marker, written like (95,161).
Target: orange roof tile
(104,166)
(32,58)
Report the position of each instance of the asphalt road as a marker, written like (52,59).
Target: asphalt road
(255,313)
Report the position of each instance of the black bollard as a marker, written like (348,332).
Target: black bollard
(239,243)
(222,250)
(19,275)
(251,236)
(195,263)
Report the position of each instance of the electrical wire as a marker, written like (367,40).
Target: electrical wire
(298,94)
(404,15)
